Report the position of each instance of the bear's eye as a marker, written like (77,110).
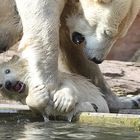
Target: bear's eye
(77,38)
(7,71)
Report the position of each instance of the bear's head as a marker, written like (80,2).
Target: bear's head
(14,79)
(98,25)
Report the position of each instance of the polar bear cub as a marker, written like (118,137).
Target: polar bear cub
(75,93)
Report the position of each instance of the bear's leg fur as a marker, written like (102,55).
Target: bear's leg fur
(39,45)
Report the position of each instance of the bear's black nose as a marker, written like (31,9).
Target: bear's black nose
(77,38)
(8,85)
(96,60)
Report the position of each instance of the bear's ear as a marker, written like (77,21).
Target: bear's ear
(103,1)
(15,58)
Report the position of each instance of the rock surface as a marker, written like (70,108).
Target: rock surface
(123,77)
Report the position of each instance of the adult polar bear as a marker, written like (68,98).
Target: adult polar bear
(41,33)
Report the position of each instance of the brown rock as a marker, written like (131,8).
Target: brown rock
(123,77)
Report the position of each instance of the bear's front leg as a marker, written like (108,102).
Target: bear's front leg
(37,98)
(39,46)
(65,99)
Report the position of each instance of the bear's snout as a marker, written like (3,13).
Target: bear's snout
(95,60)
(8,85)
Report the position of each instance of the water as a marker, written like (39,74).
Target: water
(64,131)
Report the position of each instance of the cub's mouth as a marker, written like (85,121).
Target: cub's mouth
(18,86)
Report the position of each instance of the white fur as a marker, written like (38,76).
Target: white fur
(102,22)
(39,46)
(75,94)
(40,43)
(99,22)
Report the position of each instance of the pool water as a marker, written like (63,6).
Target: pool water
(64,131)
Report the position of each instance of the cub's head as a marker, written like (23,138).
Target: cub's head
(13,79)
(99,23)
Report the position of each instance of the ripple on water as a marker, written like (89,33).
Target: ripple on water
(64,131)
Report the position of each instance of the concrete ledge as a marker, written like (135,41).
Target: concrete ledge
(15,112)
(124,120)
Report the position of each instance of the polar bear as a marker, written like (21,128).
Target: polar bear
(100,23)
(14,82)
(73,58)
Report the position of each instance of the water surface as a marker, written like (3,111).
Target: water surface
(63,131)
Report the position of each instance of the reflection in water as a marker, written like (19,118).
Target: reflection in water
(64,131)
